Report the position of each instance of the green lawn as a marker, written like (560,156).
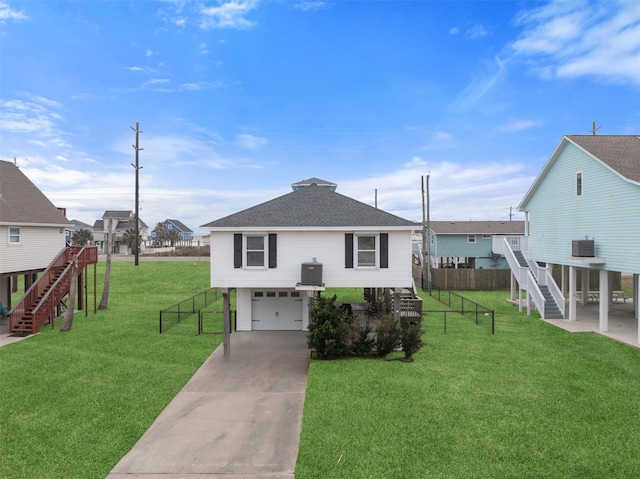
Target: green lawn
(531,401)
(74,403)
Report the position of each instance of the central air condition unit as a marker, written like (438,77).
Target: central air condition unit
(583,248)
(311,274)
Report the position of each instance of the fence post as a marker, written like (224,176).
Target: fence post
(160,321)
(445,322)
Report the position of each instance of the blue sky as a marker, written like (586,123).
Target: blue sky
(239,99)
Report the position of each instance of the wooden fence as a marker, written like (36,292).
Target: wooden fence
(469,279)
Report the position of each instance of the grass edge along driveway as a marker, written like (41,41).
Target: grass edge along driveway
(532,401)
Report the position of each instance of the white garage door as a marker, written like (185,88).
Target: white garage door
(276,310)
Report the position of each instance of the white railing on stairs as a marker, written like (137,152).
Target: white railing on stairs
(530,277)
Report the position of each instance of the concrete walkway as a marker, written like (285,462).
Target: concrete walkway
(235,418)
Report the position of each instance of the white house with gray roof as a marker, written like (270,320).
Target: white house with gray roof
(278,254)
(583,213)
(32,229)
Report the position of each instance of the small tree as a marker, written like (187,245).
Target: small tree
(173,237)
(387,334)
(411,335)
(82,237)
(161,228)
(107,273)
(327,328)
(68,314)
(129,237)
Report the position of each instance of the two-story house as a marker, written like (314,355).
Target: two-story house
(582,215)
(121,221)
(32,229)
(279,254)
(469,244)
(183,234)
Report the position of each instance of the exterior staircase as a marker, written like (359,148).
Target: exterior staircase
(535,279)
(42,301)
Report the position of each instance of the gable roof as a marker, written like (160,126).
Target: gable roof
(79,225)
(118,214)
(181,226)
(312,206)
(477,227)
(21,202)
(619,153)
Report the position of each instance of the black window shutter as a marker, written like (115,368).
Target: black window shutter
(384,250)
(348,250)
(273,250)
(237,250)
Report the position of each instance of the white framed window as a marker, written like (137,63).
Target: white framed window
(471,239)
(15,236)
(366,249)
(579,183)
(255,251)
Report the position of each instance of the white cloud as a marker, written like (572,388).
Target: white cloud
(517,125)
(481,84)
(250,142)
(229,14)
(306,6)
(7,13)
(572,39)
(476,31)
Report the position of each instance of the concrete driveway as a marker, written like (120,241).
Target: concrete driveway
(235,418)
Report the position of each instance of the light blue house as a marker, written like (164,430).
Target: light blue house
(582,213)
(469,244)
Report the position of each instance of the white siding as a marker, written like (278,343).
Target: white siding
(298,247)
(607,212)
(38,247)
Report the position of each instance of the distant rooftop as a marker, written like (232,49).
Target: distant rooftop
(327,185)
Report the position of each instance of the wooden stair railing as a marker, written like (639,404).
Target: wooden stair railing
(39,303)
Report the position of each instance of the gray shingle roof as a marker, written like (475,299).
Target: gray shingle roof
(184,228)
(22,202)
(312,206)
(620,152)
(477,227)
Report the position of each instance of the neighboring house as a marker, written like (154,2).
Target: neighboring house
(122,221)
(469,244)
(75,226)
(582,213)
(32,229)
(279,254)
(186,233)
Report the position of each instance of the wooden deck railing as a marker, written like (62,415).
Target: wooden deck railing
(39,303)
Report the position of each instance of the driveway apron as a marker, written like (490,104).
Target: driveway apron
(236,418)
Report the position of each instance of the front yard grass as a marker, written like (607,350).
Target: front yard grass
(74,403)
(531,401)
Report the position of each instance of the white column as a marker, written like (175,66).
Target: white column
(603,313)
(572,293)
(513,287)
(563,280)
(585,286)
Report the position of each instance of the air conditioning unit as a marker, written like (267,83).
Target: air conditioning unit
(583,248)
(311,274)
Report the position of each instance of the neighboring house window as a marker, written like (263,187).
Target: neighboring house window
(255,251)
(367,251)
(14,235)
(471,239)
(578,184)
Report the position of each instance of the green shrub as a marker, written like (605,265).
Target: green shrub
(328,328)
(411,335)
(387,334)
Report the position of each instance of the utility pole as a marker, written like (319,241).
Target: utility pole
(137,167)
(428,237)
(593,128)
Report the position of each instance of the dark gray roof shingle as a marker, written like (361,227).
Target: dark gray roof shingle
(477,227)
(312,206)
(22,202)
(620,152)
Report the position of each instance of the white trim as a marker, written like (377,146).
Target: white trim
(9,235)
